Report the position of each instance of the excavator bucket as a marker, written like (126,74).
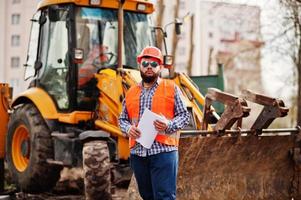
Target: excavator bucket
(246,167)
(232,168)
(234,163)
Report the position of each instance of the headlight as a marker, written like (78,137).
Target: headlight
(141,7)
(95,2)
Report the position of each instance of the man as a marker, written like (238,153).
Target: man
(96,59)
(155,169)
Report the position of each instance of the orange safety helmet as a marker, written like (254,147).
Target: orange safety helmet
(153,52)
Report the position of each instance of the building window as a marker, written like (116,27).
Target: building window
(15,40)
(16,1)
(15,62)
(15,19)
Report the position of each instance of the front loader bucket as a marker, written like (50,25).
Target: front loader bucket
(244,168)
(242,164)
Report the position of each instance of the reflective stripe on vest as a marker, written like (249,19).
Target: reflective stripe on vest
(162,103)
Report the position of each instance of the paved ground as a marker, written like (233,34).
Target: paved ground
(120,194)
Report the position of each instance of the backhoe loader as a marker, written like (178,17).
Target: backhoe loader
(81,61)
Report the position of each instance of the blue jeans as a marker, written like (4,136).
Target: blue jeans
(156,175)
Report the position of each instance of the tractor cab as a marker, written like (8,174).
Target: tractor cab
(71,42)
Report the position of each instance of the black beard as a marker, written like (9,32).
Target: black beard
(148,79)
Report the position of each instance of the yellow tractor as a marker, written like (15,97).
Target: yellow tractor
(81,61)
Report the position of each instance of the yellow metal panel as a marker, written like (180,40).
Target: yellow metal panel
(109,128)
(123,144)
(123,148)
(130,5)
(183,80)
(4,105)
(111,95)
(47,107)
(74,117)
(45,3)
(109,72)
(41,100)
(133,75)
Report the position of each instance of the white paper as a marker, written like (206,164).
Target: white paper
(147,128)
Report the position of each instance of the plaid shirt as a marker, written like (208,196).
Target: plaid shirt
(180,120)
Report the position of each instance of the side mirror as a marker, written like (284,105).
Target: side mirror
(78,55)
(178,25)
(167,61)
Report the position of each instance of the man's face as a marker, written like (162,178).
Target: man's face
(149,69)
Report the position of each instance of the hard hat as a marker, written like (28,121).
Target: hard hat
(149,51)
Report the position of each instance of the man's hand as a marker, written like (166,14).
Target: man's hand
(160,126)
(134,132)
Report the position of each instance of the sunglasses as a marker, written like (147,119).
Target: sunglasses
(152,64)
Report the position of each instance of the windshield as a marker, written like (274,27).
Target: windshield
(97,35)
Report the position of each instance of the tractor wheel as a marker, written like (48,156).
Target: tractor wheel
(97,174)
(28,146)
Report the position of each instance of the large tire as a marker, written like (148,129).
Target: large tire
(97,174)
(28,146)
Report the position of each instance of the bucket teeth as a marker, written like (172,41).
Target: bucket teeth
(273,108)
(236,108)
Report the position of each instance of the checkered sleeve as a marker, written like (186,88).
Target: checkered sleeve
(124,121)
(181,118)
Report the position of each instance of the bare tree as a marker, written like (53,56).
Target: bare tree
(289,41)
(175,38)
(191,49)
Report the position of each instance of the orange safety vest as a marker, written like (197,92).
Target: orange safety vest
(163,103)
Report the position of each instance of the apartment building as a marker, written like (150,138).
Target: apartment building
(230,34)
(15,18)
(2,39)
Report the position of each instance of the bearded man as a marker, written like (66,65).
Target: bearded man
(155,169)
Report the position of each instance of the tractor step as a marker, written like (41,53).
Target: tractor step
(67,149)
